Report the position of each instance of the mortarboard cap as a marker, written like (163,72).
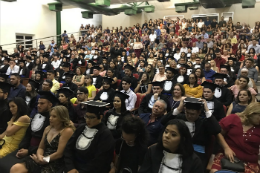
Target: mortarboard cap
(64,52)
(39,72)
(95,107)
(34,52)
(158,83)
(66,91)
(6,59)
(34,83)
(185,66)
(233,59)
(108,80)
(4,51)
(123,50)
(28,57)
(91,62)
(96,67)
(82,54)
(127,66)
(226,67)
(105,58)
(23,61)
(219,76)
(66,64)
(172,70)
(3,75)
(209,85)
(51,71)
(48,96)
(69,74)
(5,86)
(193,103)
(121,95)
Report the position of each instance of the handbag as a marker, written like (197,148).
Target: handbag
(238,165)
(2,142)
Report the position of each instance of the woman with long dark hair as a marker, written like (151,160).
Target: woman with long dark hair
(111,74)
(192,89)
(16,128)
(144,85)
(173,153)
(31,94)
(113,118)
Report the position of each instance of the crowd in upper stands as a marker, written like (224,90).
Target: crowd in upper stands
(165,96)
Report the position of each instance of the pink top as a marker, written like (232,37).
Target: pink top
(235,89)
(103,73)
(158,77)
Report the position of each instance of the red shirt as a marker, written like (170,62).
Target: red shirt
(245,145)
(219,62)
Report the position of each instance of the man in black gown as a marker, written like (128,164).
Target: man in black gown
(97,79)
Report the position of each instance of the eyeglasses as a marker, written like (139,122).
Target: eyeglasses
(89,117)
(132,142)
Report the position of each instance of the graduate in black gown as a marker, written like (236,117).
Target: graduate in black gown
(149,100)
(173,153)
(91,147)
(23,71)
(97,79)
(231,77)
(113,118)
(222,93)
(215,106)
(5,65)
(33,136)
(29,63)
(182,77)
(3,77)
(128,71)
(65,69)
(201,129)
(168,83)
(64,96)
(69,84)
(107,93)
(46,64)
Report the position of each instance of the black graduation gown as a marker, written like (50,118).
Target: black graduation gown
(74,63)
(25,72)
(226,96)
(5,115)
(154,156)
(204,129)
(218,109)
(89,155)
(4,69)
(29,65)
(71,86)
(168,87)
(46,66)
(115,53)
(230,81)
(62,76)
(185,79)
(113,122)
(144,108)
(106,96)
(71,111)
(133,84)
(97,81)
(35,130)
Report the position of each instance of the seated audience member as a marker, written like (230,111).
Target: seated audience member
(81,108)
(251,83)
(107,93)
(97,79)
(216,107)
(243,99)
(128,70)
(149,100)
(47,85)
(168,83)
(49,156)
(55,83)
(200,128)
(23,70)
(39,77)
(222,93)
(13,68)
(17,89)
(31,94)
(200,75)
(64,96)
(113,118)
(173,153)
(144,85)
(91,147)
(161,76)
(46,65)
(78,78)
(130,102)
(5,65)
(240,139)
(3,77)
(91,88)
(192,89)
(177,93)
(130,149)
(69,84)
(153,119)
(231,77)
(182,77)
(243,84)
(65,69)
(252,72)
(16,128)
(208,72)
(111,74)
(219,60)
(5,113)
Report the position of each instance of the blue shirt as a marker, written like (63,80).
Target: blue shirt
(153,128)
(17,92)
(65,37)
(209,74)
(207,23)
(158,33)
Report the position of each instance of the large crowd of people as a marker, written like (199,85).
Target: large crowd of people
(165,96)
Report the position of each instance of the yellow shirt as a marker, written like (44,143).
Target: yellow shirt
(55,86)
(194,92)
(90,89)
(233,40)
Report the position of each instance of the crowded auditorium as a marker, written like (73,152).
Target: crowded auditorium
(168,95)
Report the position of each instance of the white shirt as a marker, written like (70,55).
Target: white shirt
(152,37)
(200,24)
(177,56)
(184,49)
(195,50)
(130,102)
(55,64)
(15,70)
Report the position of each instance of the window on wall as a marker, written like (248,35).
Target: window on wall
(25,40)
(174,17)
(204,16)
